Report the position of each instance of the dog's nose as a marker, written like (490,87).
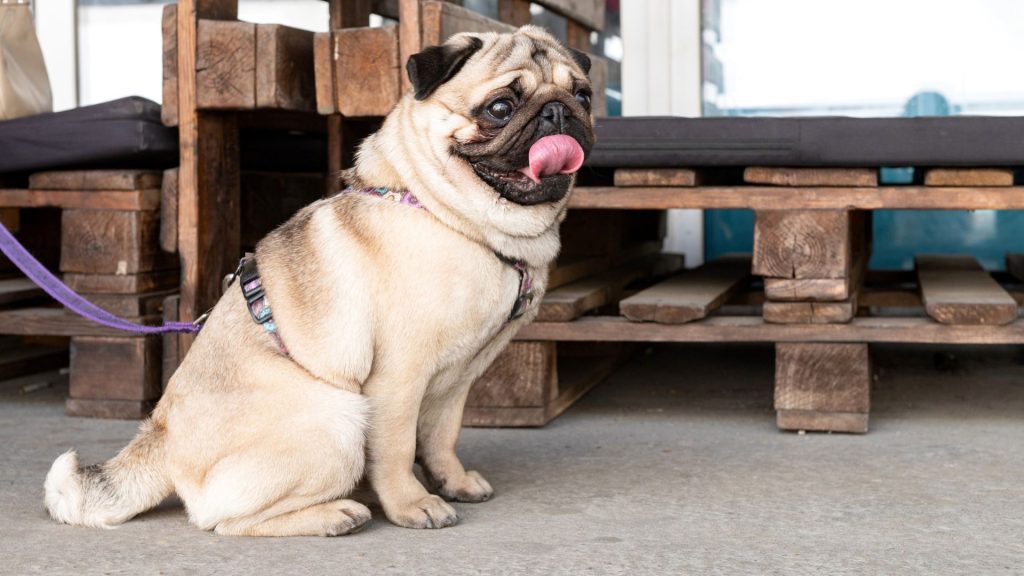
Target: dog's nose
(555,113)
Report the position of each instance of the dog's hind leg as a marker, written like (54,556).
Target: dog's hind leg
(335,518)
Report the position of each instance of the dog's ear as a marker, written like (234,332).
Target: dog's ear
(581,59)
(436,65)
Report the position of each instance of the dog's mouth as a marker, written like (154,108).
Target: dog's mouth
(547,177)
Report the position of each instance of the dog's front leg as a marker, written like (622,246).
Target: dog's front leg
(392,450)
(439,425)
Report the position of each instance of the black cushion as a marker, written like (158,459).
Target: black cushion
(653,142)
(125,133)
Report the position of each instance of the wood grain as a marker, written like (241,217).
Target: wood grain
(796,289)
(957,290)
(367,70)
(522,375)
(53,322)
(88,180)
(112,242)
(801,198)
(169,32)
(656,177)
(225,65)
(802,244)
(132,306)
(126,368)
(148,199)
(776,176)
(691,295)
(323,62)
(169,211)
(443,19)
(285,76)
(969,177)
(822,378)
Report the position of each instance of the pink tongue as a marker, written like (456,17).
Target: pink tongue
(558,154)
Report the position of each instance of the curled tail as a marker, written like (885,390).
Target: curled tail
(105,495)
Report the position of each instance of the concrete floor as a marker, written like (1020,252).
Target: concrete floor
(672,466)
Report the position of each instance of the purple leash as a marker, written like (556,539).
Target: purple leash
(37,273)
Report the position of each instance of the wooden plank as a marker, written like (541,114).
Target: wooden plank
(126,368)
(169,32)
(801,198)
(170,357)
(755,329)
(82,180)
(54,322)
(1015,265)
(795,289)
(15,290)
(225,65)
(957,290)
(691,295)
(323,61)
(148,199)
(776,176)
(367,70)
(656,177)
(589,13)
(23,359)
(571,270)
(816,421)
(810,312)
(109,409)
(112,242)
(802,244)
(123,283)
(443,19)
(169,211)
(969,177)
(522,375)
(514,12)
(573,300)
(822,378)
(285,78)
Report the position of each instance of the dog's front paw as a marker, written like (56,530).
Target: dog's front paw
(471,487)
(428,512)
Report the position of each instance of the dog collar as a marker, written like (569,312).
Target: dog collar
(256,299)
(407,198)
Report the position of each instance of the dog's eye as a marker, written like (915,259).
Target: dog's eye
(583,97)
(501,109)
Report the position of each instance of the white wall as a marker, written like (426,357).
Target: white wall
(57,30)
(661,75)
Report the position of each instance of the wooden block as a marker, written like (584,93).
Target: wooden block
(109,409)
(169,31)
(126,368)
(796,289)
(1015,265)
(285,79)
(443,19)
(225,65)
(823,379)
(122,284)
(589,13)
(170,357)
(169,211)
(39,321)
(811,176)
(969,177)
(957,290)
(19,359)
(15,290)
(655,177)
(112,242)
(367,71)
(573,300)
(810,312)
(95,180)
(816,421)
(691,295)
(802,244)
(323,62)
(522,375)
(132,306)
(514,12)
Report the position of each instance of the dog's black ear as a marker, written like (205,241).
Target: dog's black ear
(581,59)
(436,65)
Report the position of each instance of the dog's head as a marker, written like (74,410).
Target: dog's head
(513,107)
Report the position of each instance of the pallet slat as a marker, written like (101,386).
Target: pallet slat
(691,295)
(136,200)
(969,177)
(957,290)
(79,180)
(655,177)
(811,176)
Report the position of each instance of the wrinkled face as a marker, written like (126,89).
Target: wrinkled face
(524,102)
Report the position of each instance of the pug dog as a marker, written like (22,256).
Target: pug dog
(348,344)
